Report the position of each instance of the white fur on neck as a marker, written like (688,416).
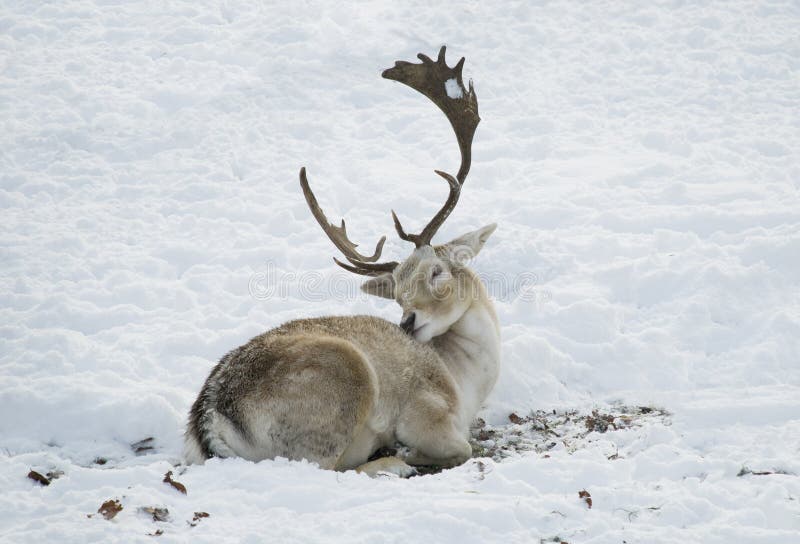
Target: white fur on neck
(471,350)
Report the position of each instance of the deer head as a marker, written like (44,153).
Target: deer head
(432,285)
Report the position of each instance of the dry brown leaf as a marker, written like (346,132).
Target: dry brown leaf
(197,517)
(36,477)
(110,508)
(515,419)
(177,485)
(583,494)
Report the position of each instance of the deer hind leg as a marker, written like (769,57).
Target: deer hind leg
(316,401)
(387,465)
(429,428)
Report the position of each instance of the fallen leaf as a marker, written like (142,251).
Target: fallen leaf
(599,422)
(36,477)
(158,532)
(158,513)
(197,517)
(110,508)
(583,494)
(515,419)
(143,446)
(177,485)
(746,470)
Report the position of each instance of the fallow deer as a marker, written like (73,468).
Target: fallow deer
(334,390)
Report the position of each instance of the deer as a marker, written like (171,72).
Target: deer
(336,390)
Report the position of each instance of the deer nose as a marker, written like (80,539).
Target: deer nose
(407,324)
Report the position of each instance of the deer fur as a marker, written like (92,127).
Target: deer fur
(333,390)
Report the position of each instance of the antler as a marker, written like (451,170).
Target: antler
(361,264)
(445,87)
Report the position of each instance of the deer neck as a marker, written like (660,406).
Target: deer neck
(471,351)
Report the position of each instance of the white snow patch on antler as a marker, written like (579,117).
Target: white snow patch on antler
(453,89)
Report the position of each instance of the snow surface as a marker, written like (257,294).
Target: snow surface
(640,158)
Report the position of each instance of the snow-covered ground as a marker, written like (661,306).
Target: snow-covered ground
(640,158)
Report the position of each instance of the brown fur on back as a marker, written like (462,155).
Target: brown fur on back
(313,378)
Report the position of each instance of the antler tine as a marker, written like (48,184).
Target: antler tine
(425,237)
(361,264)
(445,87)
(367,269)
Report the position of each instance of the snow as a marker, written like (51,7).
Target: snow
(640,159)
(453,89)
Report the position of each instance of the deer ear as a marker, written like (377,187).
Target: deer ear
(380,286)
(468,245)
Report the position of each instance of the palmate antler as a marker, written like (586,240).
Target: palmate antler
(445,87)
